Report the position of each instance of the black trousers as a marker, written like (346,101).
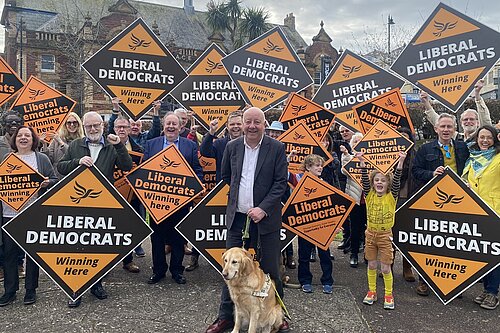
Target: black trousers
(165,233)
(269,258)
(358,226)
(10,266)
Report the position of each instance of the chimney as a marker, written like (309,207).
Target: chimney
(290,21)
(188,7)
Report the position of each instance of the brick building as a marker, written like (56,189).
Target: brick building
(51,38)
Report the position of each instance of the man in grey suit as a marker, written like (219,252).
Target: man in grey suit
(255,167)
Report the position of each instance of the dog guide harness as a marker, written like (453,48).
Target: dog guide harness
(264,292)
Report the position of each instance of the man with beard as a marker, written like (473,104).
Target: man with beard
(470,119)
(91,150)
(166,229)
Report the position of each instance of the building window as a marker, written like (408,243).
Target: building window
(48,63)
(317,78)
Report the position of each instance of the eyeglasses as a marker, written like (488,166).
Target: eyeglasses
(90,126)
(446,149)
(72,123)
(122,127)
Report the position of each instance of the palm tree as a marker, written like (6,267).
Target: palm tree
(242,24)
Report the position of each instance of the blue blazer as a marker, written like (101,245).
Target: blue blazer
(187,148)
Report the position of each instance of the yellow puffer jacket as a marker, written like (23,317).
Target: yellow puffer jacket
(487,184)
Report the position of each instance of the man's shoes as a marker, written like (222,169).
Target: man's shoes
(139,251)
(29,297)
(21,272)
(285,327)
(193,264)
(219,326)
(490,302)
(74,304)
(422,289)
(131,267)
(7,299)
(98,291)
(307,288)
(290,262)
(407,271)
(179,279)
(353,262)
(155,278)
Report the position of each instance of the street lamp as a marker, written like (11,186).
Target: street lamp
(390,22)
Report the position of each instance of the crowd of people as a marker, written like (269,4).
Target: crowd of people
(254,164)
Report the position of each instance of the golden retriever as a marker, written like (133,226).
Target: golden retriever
(247,285)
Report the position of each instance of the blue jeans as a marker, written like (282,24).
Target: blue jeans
(491,281)
(304,271)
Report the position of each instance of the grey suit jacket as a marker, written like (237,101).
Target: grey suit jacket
(269,185)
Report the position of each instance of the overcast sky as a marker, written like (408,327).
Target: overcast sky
(347,22)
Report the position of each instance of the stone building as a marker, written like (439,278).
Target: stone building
(50,39)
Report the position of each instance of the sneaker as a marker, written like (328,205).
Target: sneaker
(327,289)
(490,302)
(139,252)
(370,298)
(480,299)
(21,272)
(388,302)
(307,288)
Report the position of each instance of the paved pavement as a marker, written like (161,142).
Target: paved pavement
(134,306)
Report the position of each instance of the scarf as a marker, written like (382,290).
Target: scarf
(480,159)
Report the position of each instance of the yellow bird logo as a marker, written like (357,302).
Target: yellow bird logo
(12,167)
(446,198)
(168,163)
(442,27)
(137,42)
(272,47)
(379,133)
(308,191)
(297,136)
(297,109)
(390,103)
(83,193)
(212,65)
(349,70)
(34,93)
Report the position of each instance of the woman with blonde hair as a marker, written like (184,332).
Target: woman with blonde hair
(72,129)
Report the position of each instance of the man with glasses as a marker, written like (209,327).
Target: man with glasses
(470,119)
(136,134)
(105,154)
(433,157)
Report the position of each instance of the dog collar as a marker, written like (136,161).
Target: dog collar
(264,292)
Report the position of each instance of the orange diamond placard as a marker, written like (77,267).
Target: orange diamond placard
(42,107)
(78,230)
(18,182)
(448,55)
(353,80)
(354,169)
(10,83)
(298,138)
(317,118)
(165,183)
(136,67)
(449,234)
(389,107)
(208,90)
(120,182)
(381,146)
(315,210)
(267,69)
